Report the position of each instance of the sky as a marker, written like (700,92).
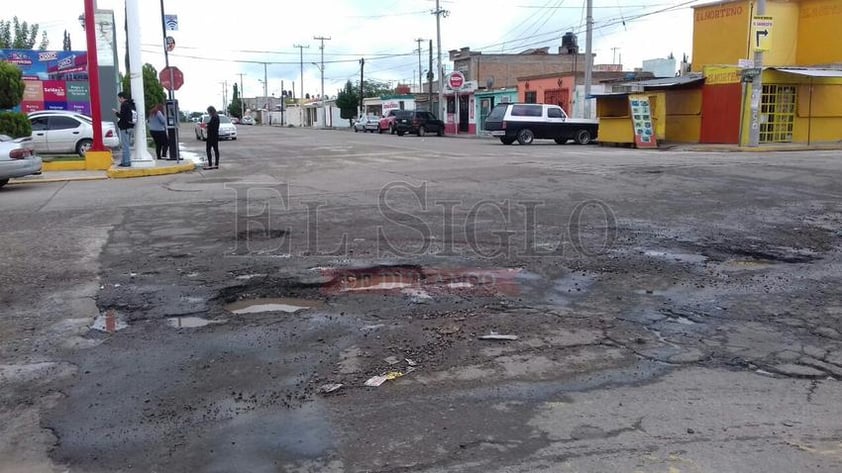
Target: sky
(218,40)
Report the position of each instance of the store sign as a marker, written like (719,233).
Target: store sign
(644,129)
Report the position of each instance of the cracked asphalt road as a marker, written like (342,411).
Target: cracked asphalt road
(671,311)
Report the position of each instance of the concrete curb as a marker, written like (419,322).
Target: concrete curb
(21,181)
(124,173)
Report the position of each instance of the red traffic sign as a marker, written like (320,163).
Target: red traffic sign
(456,80)
(177,78)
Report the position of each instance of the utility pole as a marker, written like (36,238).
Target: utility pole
(322,71)
(430,79)
(588,58)
(283,102)
(265,88)
(172,124)
(442,106)
(362,87)
(420,82)
(301,97)
(614,55)
(224,95)
(242,98)
(756,86)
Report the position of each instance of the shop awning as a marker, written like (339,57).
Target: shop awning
(810,71)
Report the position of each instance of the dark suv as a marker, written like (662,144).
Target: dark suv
(419,123)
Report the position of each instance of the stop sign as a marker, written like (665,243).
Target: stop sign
(456,80)
(177,78)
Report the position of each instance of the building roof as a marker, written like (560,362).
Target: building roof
(810,71)
(667,82)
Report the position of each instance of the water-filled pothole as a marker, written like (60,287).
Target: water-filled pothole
(191,322)
(257,306)
(109,321)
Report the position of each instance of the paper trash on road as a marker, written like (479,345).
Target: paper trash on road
(375,381)
(329,388)
(496,336)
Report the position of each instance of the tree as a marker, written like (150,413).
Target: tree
(235,108)
(13,124)
(347,101)
(17,35)
(153,91)
(373,88)
(66,45)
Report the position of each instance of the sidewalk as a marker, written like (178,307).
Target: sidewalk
(162,167)
(779,147)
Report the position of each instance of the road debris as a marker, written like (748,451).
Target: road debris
(375,381)
(498,337)
(329,388)
(392,360)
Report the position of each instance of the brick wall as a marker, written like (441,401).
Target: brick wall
(506,68)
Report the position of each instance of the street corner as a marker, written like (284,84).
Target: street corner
(161,169)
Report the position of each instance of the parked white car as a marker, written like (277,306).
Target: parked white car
(17,158)
(60,131)
(367,123)
(227,130)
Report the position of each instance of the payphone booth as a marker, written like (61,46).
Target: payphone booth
(172,128)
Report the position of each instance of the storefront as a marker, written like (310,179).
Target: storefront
(461,113)
(485,100)
(380,106)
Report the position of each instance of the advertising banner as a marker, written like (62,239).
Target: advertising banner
(53,80)
(644,131)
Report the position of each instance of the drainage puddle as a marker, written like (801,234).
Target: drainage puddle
(257,306)
(191,322)
(409,278)
(678,257)
(109,322)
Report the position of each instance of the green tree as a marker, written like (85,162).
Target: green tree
(153,91)
(17,35)
(373,88)
(13,124)
(347,100)
(235,108)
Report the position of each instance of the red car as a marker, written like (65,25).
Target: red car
(387,123)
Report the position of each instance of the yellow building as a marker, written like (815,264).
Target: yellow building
(801,96)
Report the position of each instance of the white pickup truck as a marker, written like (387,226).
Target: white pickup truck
(526,122)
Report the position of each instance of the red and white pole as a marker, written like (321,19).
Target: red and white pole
(93,74)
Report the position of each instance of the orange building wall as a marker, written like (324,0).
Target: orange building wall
(720,34)
(542,85)
(819,25)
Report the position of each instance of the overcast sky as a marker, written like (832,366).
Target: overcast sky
(217,40)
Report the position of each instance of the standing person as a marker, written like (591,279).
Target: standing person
(125,124)
(158,128)
(213,138)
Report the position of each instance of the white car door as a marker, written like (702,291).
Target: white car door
(63,134)
(40,125)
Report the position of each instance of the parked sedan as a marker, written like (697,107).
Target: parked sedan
(227,130)
(62,131)
(369,123)
(17,158)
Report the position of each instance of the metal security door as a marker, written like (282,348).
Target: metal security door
(777,113)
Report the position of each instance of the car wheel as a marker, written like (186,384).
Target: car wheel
(583,137)
(561,141)
(356,130)
(3,182)
(525,136)
(440,132)
(83,146)
(507,141)
(421,131)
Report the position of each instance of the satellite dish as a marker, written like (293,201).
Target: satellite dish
(489,82)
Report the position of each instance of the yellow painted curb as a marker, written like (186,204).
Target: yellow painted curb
(98,160)
(120,173)
(63,165)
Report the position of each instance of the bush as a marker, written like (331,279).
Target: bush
(14,124)
(11,85)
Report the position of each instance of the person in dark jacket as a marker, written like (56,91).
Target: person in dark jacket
(125,125)
(213,138)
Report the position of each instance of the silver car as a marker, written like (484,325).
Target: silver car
(17,158)
(61,131)
(368,123)
(227,130)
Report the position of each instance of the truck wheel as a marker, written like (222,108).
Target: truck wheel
(583,137)
(525,136)
(421,131)
(507,141)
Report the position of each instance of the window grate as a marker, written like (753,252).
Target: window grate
(777,113)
